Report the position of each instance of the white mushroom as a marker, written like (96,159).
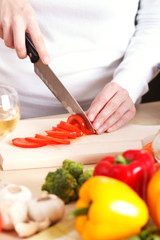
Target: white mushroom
(3,184)
(43,225)
(26,229)
(19,212)
(13,206)
(47,207)
(25,215)
(7,223)
(12,212)
(15,193)
(156,146)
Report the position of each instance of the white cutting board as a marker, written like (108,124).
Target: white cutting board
(86,149)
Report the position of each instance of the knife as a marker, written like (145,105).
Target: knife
(54,84)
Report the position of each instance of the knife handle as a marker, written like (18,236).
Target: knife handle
(31,50)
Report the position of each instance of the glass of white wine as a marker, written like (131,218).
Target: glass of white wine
(9,109)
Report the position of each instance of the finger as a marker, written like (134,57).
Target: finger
(112,119)
(19,38)
(8,36)
(1,32)
(38,41)
(101,100)
(111,107)
(122,121)
(5,26)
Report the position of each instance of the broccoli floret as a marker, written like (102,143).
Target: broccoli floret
(61,183)
(74,168)
(88,173)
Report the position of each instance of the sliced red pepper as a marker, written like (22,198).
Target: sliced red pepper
(51,140)
(59,129)
(40,140)
(88,132)
(61,134)
(22,142)
(74,127)
(77,121)
(69,127)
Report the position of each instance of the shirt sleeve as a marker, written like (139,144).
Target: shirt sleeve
(139,65)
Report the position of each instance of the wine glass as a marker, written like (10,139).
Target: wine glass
(9,109)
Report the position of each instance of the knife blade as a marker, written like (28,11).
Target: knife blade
(54,84)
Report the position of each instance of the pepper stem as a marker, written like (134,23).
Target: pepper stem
(78,212)
(119,159)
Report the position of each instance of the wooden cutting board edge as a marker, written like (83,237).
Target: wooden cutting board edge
(89,149)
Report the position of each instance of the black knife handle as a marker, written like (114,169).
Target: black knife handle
(31,50)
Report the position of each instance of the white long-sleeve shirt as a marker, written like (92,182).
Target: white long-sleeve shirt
(90,42)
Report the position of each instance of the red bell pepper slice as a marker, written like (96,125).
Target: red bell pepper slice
(69,127)
(22,142)
(61,134)
(134,167)
(59,129)
(51,140)
(77,121)
(87,132)
(40,140)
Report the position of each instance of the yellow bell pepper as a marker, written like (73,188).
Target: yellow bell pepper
(153,198)
(111,210)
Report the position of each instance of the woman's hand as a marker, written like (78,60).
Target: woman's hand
(16,18)
(111,109)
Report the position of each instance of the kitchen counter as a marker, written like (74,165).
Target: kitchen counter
(147,114)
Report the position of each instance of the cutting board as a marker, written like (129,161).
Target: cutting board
(86,149)
(63,230)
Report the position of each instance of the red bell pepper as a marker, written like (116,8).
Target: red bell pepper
(134,167)
(77,121)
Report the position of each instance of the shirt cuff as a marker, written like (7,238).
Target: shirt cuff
(136,87)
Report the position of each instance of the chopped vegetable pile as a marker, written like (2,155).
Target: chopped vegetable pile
(63,133)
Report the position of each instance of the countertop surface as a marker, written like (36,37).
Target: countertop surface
(147,114)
